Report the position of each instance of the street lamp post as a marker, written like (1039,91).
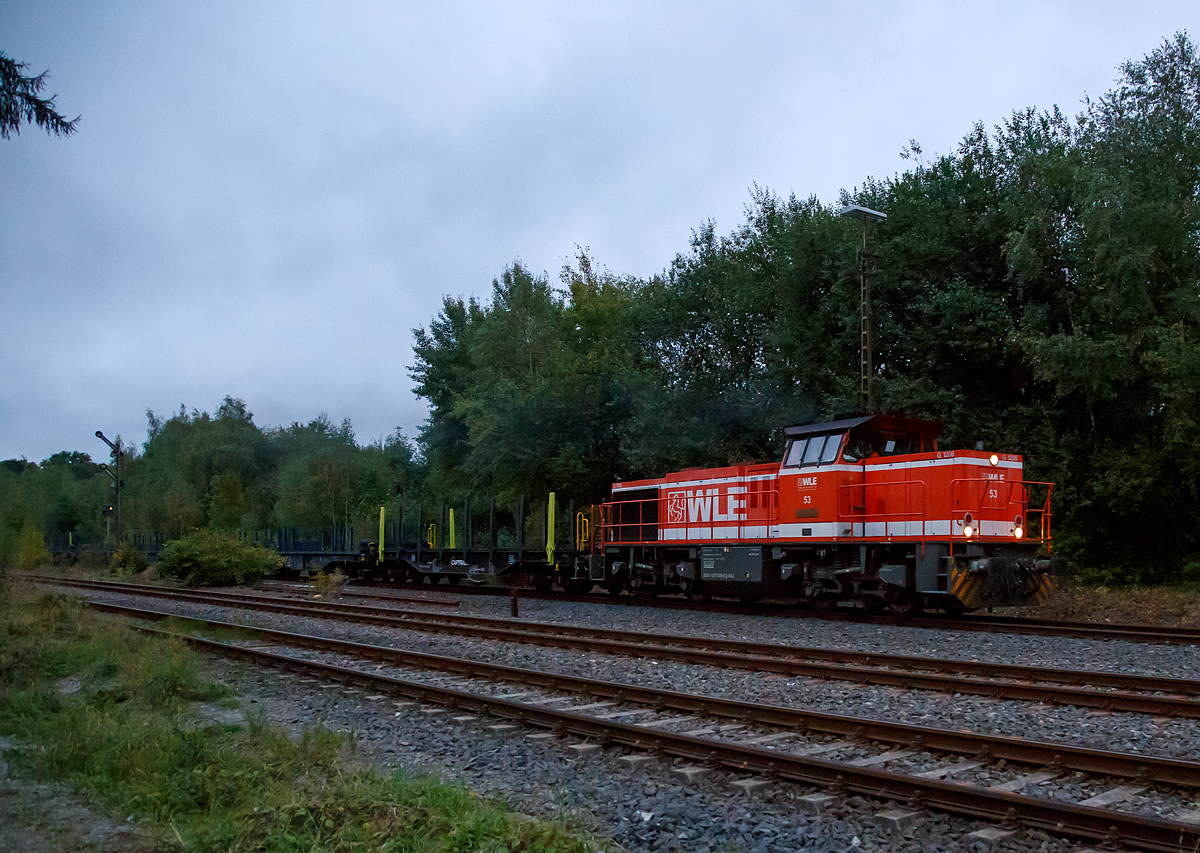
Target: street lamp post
(866,272)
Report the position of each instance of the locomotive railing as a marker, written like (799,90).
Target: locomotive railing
(767,508)
(640,520)
(631,522)
(985,495)
(857,513)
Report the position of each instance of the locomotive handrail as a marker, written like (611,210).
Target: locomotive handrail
(613,527)
(1044,513)
(615,522)
(769,511)
(853,516)
(621,523)
(1026,512)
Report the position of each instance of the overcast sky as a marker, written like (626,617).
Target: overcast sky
(265,198)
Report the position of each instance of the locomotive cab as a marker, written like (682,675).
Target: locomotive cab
(914,526)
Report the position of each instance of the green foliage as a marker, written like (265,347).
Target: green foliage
(128,560)
(216,558)
(328,585)
(33,551)
(20,104)
(92,704)
(1036,291)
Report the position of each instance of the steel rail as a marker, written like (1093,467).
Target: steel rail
(1015,672)
(783,660)
(148,589)
(993,747)
(981,623)
(1135,831)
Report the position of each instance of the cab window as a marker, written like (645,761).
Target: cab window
(815,450)
(813,454)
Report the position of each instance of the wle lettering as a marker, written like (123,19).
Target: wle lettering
(704,506)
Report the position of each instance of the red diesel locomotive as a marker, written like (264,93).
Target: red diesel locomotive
(866,509)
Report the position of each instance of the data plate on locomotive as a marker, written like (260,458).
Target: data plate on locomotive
(731,563)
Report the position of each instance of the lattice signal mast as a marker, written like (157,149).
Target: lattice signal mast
(866,273)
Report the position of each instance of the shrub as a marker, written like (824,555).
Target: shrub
(328,585)
(211,558)
(33,551)
(128,560)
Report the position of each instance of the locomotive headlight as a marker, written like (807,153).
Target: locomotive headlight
(994,459)
(968,531)
(1018,532)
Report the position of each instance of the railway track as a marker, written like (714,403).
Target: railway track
(1104,691)
(775,743)
(979,623)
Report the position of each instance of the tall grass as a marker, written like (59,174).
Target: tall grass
(111,713)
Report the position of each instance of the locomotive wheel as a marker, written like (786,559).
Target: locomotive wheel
(904,603)
(699,593)
(825,603)
(453,580)
(954,608)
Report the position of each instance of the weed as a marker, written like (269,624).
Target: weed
(328,585)
(1161,605)
(96,705)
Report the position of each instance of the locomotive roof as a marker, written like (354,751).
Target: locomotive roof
(890,422)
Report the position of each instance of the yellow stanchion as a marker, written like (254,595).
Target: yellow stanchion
(583,531)
(550,531)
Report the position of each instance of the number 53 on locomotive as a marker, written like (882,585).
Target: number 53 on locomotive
(867,510)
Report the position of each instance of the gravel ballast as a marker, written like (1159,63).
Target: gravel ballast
(643,808)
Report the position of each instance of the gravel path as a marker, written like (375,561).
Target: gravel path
(643,809)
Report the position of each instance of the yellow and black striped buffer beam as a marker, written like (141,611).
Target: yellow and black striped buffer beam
(967,589)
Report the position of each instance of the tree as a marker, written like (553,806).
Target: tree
(19,102)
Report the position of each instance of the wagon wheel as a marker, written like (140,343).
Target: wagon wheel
(579,586)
